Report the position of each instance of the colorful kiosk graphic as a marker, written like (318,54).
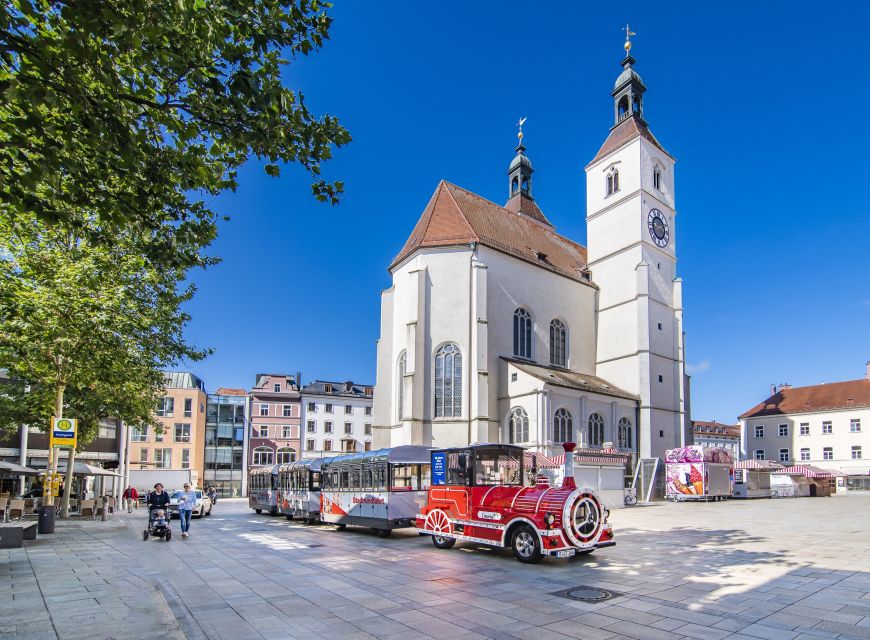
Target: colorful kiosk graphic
(698,473)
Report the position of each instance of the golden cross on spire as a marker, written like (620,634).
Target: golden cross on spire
(628,34)
(520,126)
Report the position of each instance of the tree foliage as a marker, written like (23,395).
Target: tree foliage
(120,115)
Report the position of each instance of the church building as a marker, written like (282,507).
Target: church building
(498,329)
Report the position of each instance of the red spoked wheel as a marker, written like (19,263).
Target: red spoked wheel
(438,522)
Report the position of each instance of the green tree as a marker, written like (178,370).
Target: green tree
(127,114)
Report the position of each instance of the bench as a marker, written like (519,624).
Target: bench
(13,534)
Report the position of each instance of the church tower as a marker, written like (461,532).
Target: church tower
(632,240)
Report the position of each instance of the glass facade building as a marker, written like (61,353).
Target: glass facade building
(226,423)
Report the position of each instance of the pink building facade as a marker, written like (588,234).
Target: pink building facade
(275,416)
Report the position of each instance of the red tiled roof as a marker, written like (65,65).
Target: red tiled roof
(228,391)
(455,216)
(624,132)
(820,397)
(521,203)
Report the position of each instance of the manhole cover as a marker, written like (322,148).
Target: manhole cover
(586,594)
(447,580)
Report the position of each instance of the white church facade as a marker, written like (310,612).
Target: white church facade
(498,329)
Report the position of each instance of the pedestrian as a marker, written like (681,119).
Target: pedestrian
(130,496)
(158,499)
(186,503)
(212,495)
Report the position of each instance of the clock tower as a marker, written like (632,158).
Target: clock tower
(632,242)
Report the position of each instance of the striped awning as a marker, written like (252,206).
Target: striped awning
(808,471)
(595,456)
(765,465)
(533,458)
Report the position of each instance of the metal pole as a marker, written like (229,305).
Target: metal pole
(22,458)
(122,458)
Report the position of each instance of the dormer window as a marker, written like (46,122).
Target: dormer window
(277,387)
(612,181)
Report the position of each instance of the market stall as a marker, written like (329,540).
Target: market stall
(787,483)
(697,472)
(752,478)
(819,481)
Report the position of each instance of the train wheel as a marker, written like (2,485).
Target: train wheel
(341,527)
(288,516)
(443,543)
(145,535)
(526,546)
(258,511)
(384,533)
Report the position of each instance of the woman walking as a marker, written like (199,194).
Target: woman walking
(186,503)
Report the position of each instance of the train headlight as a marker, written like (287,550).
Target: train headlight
(606,515)
(549,519)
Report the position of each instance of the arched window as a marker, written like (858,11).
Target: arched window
(612,181)
(448,382)
(657,178)
(522,333)
(623,107)
(563,426)
(624,433)
(558,344)
(518,425)
(515,185)
(264,455)
(526,186)
(596,430)
(400,385)
(284,455)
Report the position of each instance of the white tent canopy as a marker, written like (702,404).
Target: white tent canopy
(12,469)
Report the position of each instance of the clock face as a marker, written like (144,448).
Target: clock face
(659,230)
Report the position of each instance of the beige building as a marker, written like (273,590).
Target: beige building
(181,442)
(716,434)
(824,425)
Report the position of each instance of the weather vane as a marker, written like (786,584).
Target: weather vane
(520,126)
(628,34)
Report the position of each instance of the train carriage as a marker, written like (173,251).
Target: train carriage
(299,490)
(484,494)
(262,489)
(382,489)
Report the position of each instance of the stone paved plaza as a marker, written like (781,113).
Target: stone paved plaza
(776,569)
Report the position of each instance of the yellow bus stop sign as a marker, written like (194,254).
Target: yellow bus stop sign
(63,432)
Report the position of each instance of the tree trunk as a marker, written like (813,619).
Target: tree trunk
(70,461)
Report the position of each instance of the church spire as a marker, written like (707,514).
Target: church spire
(629,88)
(520,171)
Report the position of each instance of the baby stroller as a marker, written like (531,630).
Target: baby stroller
(158,525)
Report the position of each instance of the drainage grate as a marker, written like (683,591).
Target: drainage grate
(586,594)
(447,580)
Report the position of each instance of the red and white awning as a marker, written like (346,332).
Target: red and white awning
(766,465)
(807,471)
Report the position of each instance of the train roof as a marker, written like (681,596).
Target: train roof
(312,464)
(267,469)
(513,448)
(407,454)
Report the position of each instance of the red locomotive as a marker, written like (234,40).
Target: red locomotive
(485,494)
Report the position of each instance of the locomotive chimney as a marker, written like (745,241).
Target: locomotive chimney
(568,480)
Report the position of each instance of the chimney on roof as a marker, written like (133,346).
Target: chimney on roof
(299,379)
(773,389)
(867,375)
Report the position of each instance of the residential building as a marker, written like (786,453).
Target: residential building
(275,415)
(337,417)
(824,425)
(716,434)
(226,426)
(179,443)
(497,328)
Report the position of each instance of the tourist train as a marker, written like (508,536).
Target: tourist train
(483,493)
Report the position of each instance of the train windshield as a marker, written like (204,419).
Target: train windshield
(498,467)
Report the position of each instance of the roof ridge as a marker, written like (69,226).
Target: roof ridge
(461,210)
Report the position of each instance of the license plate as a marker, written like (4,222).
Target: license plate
(567,553)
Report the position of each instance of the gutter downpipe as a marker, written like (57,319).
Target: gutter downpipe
(471,323)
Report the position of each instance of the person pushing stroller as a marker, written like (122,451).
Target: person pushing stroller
(158,509)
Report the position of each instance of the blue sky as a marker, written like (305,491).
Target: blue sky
(761,103)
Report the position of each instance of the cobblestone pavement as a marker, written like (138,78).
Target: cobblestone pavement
(773,569)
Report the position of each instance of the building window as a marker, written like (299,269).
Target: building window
(328,408)
(856,452)
(783,455)
(327,388)
(287,410)
(624,433)
(311,427)
(367,446)
(158,434)
(348,427)
(595,431)
(327,445)
(285,455)
(827,428)
(368,429)
(188,407)
(661,379)
(368,411)
(309,444)
(143,455)
(327,426)
(349,446)
(518,425)
(522,333)
(783,431)
(448,382)
(264,431)
(163,458)
(805,428)
(612,181)
(348,409)
(182,432)
(276,387)
(287,432)
(759,454)
(563,426)
(558,344)
(264,409)
(139,434)
(855,425)
(185,458)
(106,430)
(400,385)
(312,407)
(805,454)
(759,432)
(828,453)
(166,407)
(657,178)
(264,455)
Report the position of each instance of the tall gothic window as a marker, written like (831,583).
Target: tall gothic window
(448,382)
(558,344)
(596,430)
(522,333)
(400,385)
(519,425)
(563,426)
(624,433)
(612,181)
